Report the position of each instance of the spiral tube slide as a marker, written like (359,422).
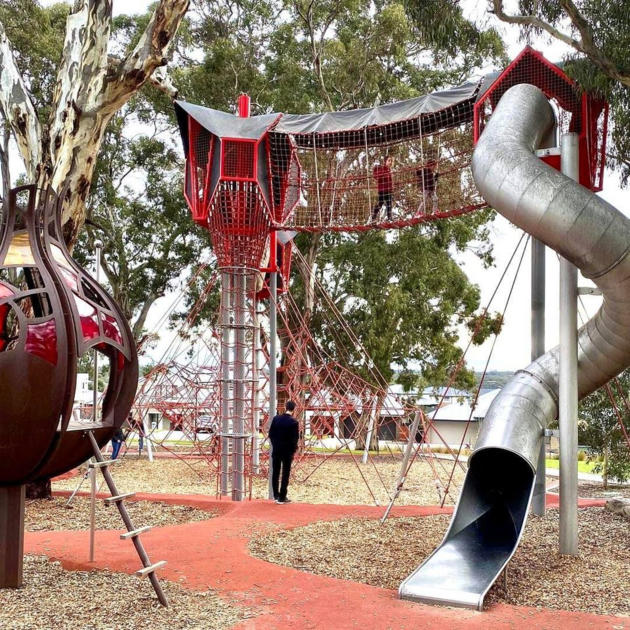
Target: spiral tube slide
(492,509)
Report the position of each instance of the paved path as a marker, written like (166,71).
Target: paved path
(213,554)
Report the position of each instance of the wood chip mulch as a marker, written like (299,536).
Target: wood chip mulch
(170,476)
(53,515)
(100,600)
(344,481)
(337,480)
(362,550)
(596,491)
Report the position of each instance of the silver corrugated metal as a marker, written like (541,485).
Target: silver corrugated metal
(583,228)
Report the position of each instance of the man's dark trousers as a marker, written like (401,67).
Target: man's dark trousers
(280,458)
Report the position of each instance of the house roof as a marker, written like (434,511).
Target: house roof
(460,412)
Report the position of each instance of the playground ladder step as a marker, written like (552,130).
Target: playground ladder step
(150,569)
(103,464)
(119,497)
(135,532)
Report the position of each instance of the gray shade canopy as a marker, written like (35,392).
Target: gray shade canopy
(223,124)
(355,119)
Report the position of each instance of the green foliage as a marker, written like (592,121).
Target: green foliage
(403,296)
(297,56)
(609,25)
(599,429)
(137,209)
(36,34)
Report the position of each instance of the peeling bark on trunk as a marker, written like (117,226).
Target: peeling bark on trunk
(90,89)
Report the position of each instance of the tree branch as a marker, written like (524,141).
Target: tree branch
(148,55)
(584,45)
(18,109)
(162,81)
(138,325)
(4,161)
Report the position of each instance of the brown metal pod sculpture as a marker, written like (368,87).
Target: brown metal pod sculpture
(51,313)
(37,358)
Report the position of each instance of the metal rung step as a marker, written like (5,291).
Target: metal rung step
(135,532)
(119,497)
(103,464)
(237,436)
(150,569)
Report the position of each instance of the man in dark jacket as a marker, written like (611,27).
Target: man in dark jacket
(284,435)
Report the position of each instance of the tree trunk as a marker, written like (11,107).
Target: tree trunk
(605,471)
(363,426)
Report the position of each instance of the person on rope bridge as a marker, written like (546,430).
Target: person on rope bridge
(385,186)
(427,183)
(284,434)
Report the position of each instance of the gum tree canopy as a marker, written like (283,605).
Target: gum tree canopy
(59,145)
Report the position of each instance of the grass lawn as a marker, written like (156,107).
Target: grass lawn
(585,467)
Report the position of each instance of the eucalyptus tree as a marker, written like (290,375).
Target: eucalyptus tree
(600,429)
(137,210)
(59,123)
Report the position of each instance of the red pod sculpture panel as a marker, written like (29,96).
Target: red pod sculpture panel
(52,312)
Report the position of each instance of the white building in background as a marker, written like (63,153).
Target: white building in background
(449,421)
(83,394)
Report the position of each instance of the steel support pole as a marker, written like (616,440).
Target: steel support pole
(538,349)
(256,395)
(567,385)
(225,380)
(92,509)
(238,428)
(98,245)
(273,325)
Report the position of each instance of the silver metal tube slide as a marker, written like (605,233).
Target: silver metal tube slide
(594,236)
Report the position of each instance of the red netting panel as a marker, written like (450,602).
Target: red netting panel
(238,160)
(395,175)
(576,112)
(531,67)
(197,170)
(239,224)
(339,410)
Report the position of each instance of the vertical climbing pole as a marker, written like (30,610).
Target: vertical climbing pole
(273,330)
(240,388)
(226,281)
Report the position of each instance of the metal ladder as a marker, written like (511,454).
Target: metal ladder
(133,533)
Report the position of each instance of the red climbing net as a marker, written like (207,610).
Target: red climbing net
(251,182)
